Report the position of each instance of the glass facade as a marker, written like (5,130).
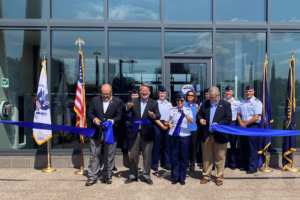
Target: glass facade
(127,43)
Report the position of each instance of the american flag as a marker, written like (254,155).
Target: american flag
(79,106)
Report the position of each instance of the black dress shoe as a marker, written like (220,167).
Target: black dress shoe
(192,168)
(131,180)
(174,181)
(251,171)
(242,169)
(115,169)
(182,182)
(106,181)
(148,181)
(154,169)
(167,168)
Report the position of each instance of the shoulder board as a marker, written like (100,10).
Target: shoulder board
(172,108)
(188,108)
(237,99)
(257,100)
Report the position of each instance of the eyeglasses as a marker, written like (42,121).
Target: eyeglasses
(106,94)
(190,95)
(179,100)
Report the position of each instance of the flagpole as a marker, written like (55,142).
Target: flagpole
(49,168)
(293,169)
(81,171)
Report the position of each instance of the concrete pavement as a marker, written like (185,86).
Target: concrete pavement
(28,183)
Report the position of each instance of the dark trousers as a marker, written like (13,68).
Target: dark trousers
(161,139)
(136,144)
(231,153)
(179,153)
(192,149)
(250,147)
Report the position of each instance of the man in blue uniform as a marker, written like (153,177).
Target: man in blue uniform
(249,115)
(161,133)
(235,103)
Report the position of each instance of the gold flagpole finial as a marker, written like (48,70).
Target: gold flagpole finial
(80,42)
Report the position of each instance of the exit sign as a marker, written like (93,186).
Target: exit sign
(5,82)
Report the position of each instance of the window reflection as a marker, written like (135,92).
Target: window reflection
(23,9)
(282,46)
(64,75)
(134,9)
(241,10)
(240,60)
(285,11)
(77,9)
(192,10)
(134,58)
(188,42)
(21,54)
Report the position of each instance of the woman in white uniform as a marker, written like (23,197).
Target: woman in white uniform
(177,120)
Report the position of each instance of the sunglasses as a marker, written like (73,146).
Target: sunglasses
(179,100)
(190,95)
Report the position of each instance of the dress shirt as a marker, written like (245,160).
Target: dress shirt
(213,108)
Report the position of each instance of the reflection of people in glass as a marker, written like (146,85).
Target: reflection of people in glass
(191,99)
(160,132)
(103,108)
(179,145)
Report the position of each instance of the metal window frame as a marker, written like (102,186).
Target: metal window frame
(161,25)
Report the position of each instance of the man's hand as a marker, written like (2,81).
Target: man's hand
(129,105)
(164,128)
(151,114)
(97,121)
(214,123)
(171,126)
(203,122)
(112,121)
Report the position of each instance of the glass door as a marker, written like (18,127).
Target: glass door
(181,72)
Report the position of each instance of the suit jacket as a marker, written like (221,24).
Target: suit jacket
(114,112)
(222,116)
(147,131)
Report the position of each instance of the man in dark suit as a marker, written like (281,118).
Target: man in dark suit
(103,108)
(214,111)
(142,108)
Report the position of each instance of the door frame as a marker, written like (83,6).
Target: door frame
(167,68)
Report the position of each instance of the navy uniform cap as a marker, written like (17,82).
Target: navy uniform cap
(249,87)
(162,89)
(134,91)
(206,90)
(180,95)
(229,87)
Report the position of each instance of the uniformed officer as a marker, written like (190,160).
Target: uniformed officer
(249,115)
(161,136)
(235,103)
(179,144)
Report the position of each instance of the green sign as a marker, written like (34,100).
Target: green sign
(5,82)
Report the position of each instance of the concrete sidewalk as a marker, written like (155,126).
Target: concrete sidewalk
(33,184)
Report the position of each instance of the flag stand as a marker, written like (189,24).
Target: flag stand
(292,169)
(265,167)
(81,171)
(49,168)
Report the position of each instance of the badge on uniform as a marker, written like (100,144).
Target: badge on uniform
(234,104)
(251,104)
(174,114)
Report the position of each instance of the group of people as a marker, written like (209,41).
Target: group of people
(152,125)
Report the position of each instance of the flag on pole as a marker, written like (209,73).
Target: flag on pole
(62,112)
(267,117)
(289,142)
(79,106)
(42,110)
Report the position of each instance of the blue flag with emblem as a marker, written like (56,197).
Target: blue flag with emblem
(289,142)
(266,118)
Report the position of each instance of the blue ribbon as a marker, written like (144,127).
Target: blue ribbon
(108,132)
(236,130)
(178,125)
(135,124)
(89,132)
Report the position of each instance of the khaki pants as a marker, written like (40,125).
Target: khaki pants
(210,149)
